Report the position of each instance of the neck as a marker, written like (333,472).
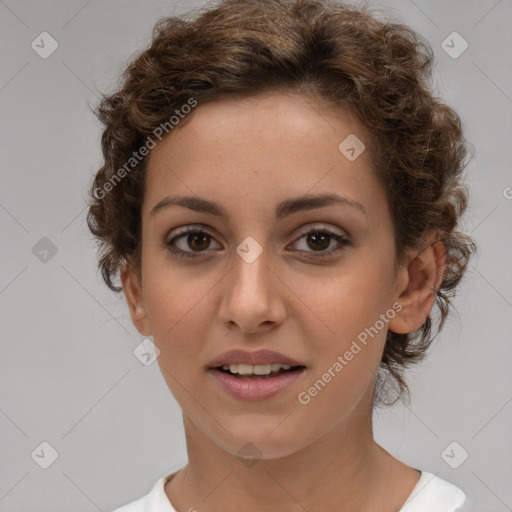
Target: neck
(338,468)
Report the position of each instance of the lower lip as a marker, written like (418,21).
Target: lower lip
(255,389)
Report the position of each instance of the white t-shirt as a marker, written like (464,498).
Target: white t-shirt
(431,494)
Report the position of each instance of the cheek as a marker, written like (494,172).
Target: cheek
(179,322)
(346,358)
(178,310)
(354,308)
(351,299)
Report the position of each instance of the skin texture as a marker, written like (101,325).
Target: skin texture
(248,155)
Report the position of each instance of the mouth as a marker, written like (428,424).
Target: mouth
(258,371)
(253,376)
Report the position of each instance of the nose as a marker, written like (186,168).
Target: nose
(252,295)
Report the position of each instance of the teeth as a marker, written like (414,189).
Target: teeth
(256,369)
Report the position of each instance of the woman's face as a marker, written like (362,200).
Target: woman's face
(257,281)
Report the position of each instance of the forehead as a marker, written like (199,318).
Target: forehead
(260,149)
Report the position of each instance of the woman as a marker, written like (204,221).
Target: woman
(280,197)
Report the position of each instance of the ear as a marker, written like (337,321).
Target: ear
(131,281)
(422,277)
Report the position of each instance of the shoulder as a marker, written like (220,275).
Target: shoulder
(433,494)
(155,501)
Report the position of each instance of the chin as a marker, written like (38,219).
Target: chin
(266,438)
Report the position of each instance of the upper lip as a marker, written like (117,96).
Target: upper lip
(257,357)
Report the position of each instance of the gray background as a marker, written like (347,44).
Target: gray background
(68,374)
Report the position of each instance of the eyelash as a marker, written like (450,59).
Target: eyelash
(195,254)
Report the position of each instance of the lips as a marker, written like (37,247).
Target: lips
(251,358)
(253,376)
(253,389)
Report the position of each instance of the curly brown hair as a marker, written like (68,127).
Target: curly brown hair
(337,53)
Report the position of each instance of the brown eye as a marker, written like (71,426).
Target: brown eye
(319,240)
(190,242)
(198,241)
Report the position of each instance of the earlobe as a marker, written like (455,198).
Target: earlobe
(424,275)
(135,301)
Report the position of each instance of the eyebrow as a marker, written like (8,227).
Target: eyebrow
(283,209)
